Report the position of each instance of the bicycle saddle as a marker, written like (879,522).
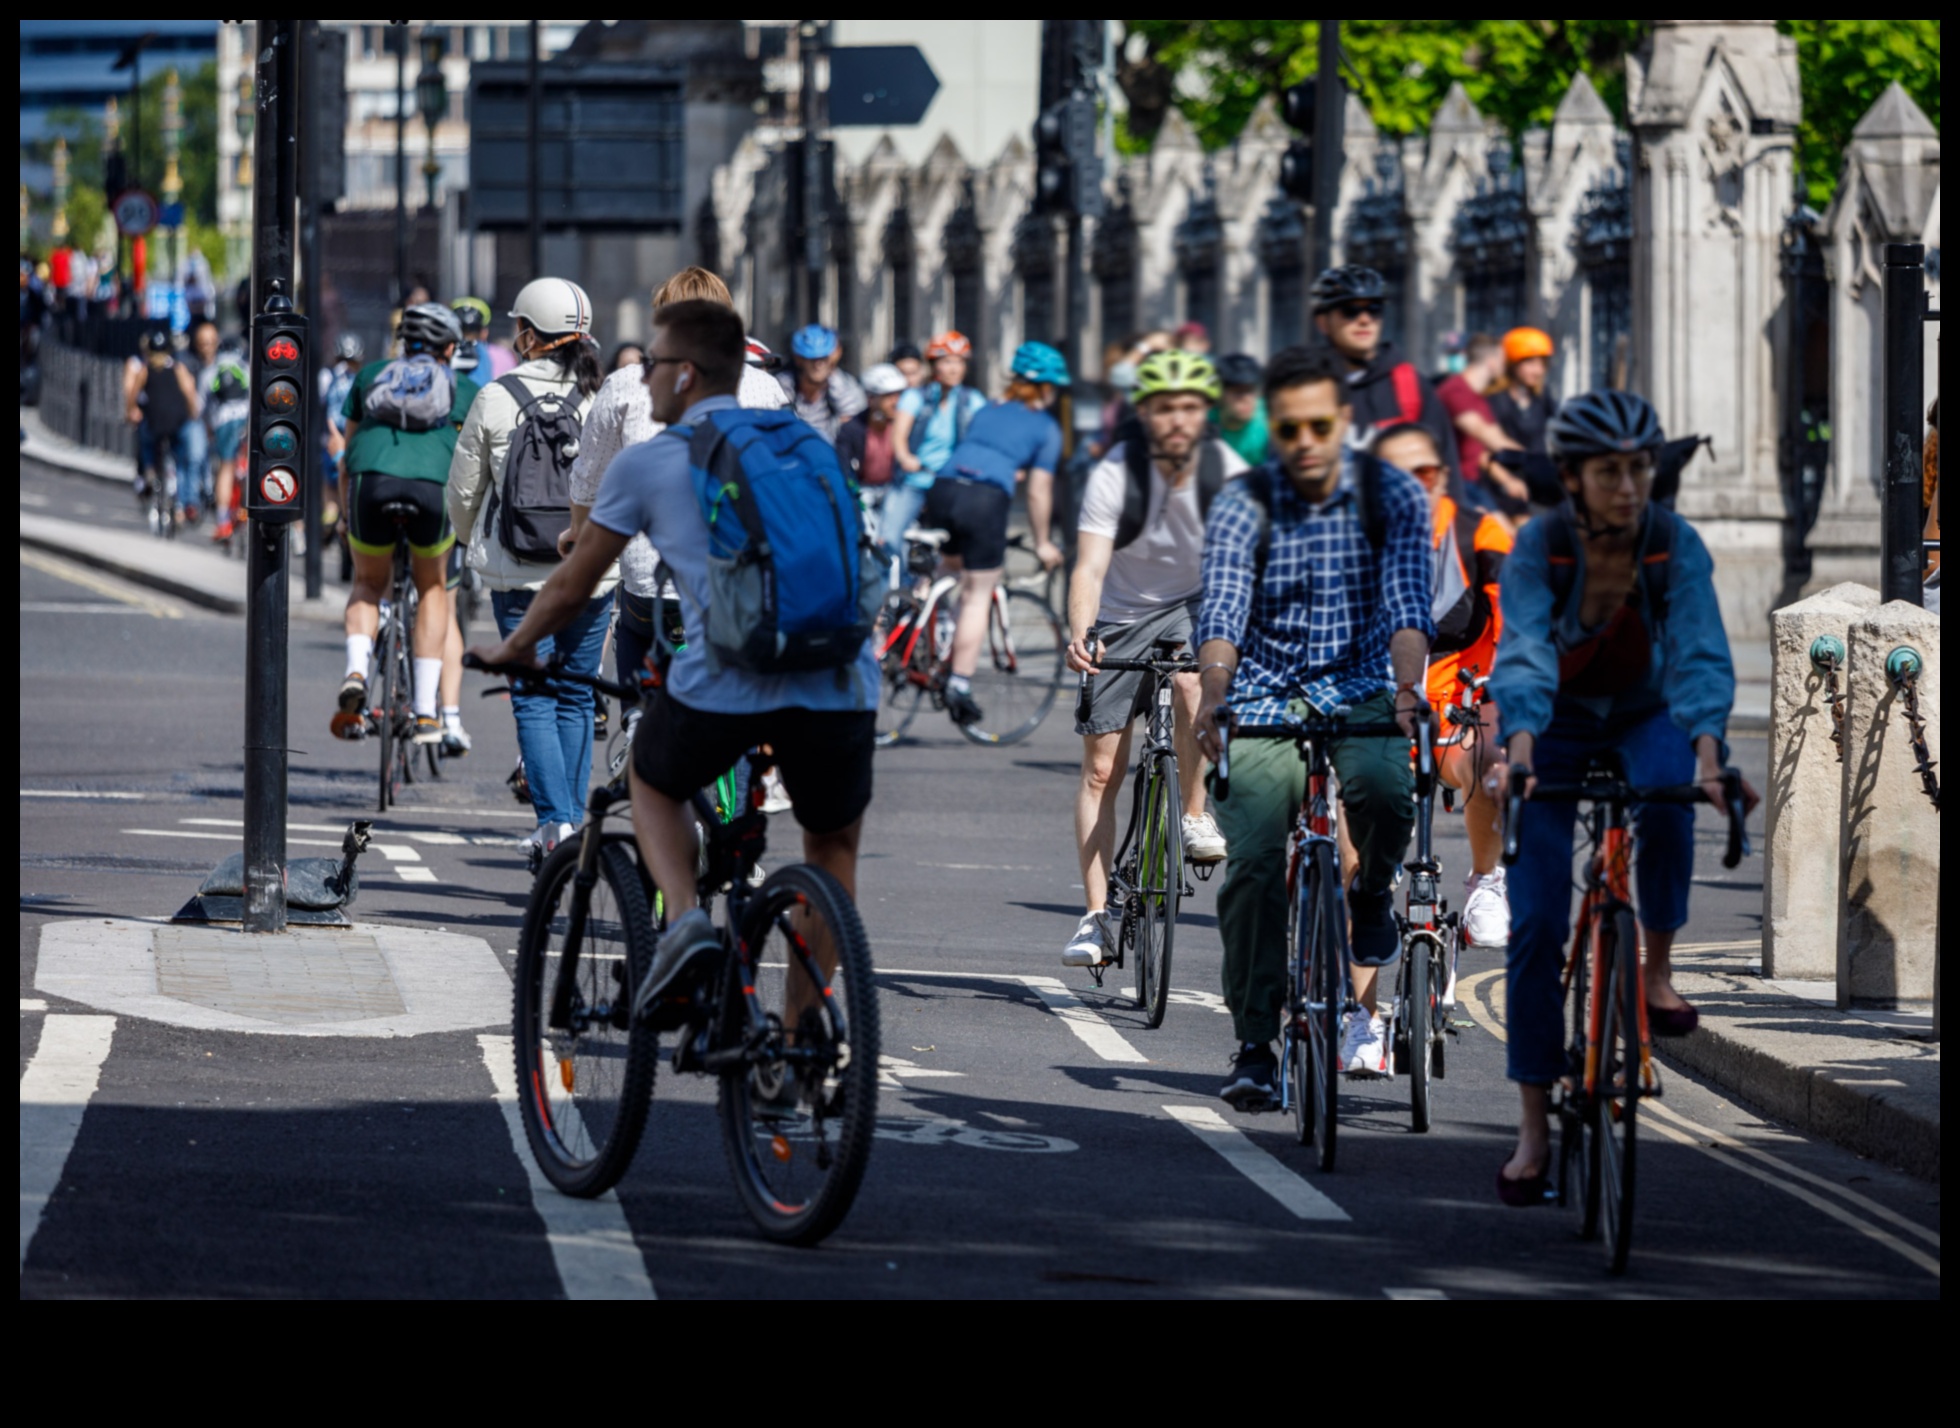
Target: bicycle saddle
(1167,648)
(935,539)
(400,510)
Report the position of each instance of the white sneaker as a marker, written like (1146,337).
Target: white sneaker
(1203,843)
(1486,910)
(1089,947)
(1364,1050)
(552,837)
(455,738)
(775,799)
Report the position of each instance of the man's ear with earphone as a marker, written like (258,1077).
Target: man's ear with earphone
(683,381)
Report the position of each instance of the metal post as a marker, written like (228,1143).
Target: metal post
(1078,304)
(401,164)
(810,43)
(273,201)
(1329,118)
(312,495)
(534,103)
(1901,556)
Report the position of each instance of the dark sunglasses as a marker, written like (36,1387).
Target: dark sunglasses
(649,362)
(1426,472)
(1321,427)
(1352,311)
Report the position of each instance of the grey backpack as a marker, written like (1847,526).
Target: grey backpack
(414,393)
(533,502)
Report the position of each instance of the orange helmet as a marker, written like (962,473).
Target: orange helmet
(948,344)
(1521,343)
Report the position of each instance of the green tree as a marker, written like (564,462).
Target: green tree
(1516,71)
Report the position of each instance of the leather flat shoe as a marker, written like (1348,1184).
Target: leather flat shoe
(1526,1192)
(1672,1021)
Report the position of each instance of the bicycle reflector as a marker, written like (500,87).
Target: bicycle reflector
(278,465)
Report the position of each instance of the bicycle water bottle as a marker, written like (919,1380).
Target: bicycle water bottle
(942,634)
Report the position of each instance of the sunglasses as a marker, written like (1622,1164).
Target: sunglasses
(1289,431)
(649,362)
(1427,472)
(1354,311)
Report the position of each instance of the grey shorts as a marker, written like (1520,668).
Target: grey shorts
(1116,698)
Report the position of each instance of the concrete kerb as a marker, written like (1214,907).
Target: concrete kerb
(1804,800)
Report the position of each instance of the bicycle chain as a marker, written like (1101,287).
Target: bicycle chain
(1929,778)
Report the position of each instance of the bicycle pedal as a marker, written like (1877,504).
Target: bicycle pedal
(352,727)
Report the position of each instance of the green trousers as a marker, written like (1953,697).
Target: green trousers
(1377,791)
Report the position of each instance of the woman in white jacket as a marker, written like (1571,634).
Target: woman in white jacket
(556,355)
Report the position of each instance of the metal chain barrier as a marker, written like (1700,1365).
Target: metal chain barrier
(1903,667)
(1827,658)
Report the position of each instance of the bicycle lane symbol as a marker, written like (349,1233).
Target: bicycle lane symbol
(943,1130)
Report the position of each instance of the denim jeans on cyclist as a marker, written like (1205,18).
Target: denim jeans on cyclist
(903,502)
(1377,789)
(554,730)
(187,455)
(1656,752)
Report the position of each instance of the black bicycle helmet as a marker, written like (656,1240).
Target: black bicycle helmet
(1352,283)
(157,339)
(430,326)
(1603,424)
(1236,369)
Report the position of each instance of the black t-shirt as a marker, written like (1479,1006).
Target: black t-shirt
(1524,424)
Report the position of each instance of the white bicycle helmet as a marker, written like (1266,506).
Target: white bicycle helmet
(553,307)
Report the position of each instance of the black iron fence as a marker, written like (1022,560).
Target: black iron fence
(81,395)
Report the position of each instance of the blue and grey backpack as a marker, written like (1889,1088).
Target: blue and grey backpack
(793,582)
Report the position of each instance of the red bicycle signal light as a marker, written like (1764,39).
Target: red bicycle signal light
(282,351)
(281,397)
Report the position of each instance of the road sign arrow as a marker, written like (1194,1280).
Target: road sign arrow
(879,85)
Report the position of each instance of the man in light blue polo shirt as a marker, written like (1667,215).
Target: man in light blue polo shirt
(819,723)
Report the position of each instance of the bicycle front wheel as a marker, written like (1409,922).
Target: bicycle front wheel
(1160,888)
(1620,1077)
(1020,670)
(583,1087)
(1326,945)
(798,1108)
(903,655)
(1418,1027)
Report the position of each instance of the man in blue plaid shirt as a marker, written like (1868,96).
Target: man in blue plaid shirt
(1342,616)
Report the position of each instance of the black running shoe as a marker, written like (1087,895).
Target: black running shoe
(1371,928)
(960,706)
(1252,1084)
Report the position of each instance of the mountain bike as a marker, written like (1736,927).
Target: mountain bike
(785,1020)
(1609,1058)
(1020,670)
(1320,986)
(1146,878)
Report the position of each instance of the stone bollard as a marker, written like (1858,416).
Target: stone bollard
(1803,804)
(1888,928)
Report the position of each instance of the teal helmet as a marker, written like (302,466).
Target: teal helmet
(1038,362)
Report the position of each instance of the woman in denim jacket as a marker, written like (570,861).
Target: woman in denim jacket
(1613,640)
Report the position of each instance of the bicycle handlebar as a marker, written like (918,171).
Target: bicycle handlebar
(1620,791)
(1316,726)
(546,674)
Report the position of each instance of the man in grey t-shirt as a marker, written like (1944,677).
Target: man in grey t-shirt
(1138,580)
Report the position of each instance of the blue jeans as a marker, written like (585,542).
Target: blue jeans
(1656,752)
(188,449)
(901,512)
(554,730)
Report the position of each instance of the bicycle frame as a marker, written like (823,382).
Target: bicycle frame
(1143,841)
(1608,892)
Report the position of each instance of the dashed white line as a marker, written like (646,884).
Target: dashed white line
(54,1093)
(398,852)
(1095,1033)
(591,1243)
(1298,1197)
(32,1004)
(1414,1294)
(82,793)
(415,873)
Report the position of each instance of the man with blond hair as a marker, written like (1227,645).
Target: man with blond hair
(622,416)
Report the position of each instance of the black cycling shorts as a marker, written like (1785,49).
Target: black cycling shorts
(974,513)
(372,532)
(824,755)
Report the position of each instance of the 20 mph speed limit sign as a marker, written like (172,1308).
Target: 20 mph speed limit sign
(135,212)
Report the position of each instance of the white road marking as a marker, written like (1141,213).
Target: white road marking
(33,498)
(1414,1294)
(225,837)
(447,840)
(1096,1034)
(54,1093)
(591,1243)
(77,607)
(32,1004)
(81,793)
(393,852)
(1299,1198)
(894,1071)
(398,852)
(89,580)
(415,874)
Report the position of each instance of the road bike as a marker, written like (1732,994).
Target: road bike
(1609,1057)
(1146,878)
(1021,664)
(390,716)
(1320,987)
(785,1018)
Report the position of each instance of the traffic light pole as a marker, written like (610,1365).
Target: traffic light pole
(312,493)
(1330,116)
(274,199)
(810,44)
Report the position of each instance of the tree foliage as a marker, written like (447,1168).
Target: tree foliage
(1515,71)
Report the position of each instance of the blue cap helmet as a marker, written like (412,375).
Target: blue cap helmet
(1038,362)
(813,341)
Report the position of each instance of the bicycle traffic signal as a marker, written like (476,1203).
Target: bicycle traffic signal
(1068,171)
(1296,165)
(280,406)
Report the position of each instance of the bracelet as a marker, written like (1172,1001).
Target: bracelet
(1218,664)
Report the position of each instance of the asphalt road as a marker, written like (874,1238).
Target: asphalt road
(1023,1153)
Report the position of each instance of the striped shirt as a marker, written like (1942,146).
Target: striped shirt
(1322,614)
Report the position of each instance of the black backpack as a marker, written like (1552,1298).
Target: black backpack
(533,501)
(1136,490)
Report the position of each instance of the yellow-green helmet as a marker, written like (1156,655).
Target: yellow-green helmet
(1177,371)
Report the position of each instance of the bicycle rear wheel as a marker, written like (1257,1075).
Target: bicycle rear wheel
(1326,945)
(901,666)
(1418,1027)
(1020,670)
(584,1088)
(1619,1083)
(798,1113)
(388,680)
(1160,888)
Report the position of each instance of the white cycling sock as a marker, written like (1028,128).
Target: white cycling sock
(452,714)
(359,648)
(428,679)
